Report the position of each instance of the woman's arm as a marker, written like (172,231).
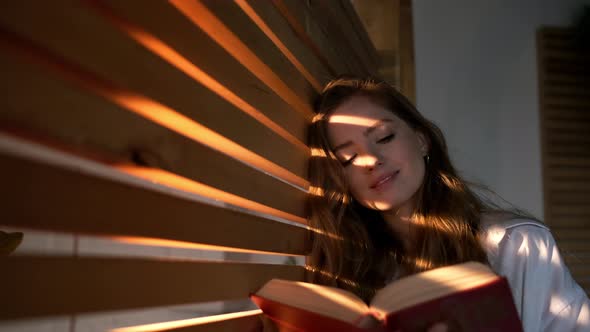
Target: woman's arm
(546,295)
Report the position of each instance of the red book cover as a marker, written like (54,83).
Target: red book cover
(299,320)
(487,307)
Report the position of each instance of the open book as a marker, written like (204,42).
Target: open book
(468,297)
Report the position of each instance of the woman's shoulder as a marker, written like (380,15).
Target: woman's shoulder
(507,222)
(500,231)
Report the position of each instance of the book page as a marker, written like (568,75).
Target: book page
(324,300)
(421,287)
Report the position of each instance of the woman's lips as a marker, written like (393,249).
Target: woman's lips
(384,181)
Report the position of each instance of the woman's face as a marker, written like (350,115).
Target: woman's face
(382,156)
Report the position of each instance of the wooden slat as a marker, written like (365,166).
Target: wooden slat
(568,221)
(568,126)
(342,45)
(573,196)
(288,39)
(41,286)
(48,197)
(578,90)
(250,34)
(189,40)
(407,64)
(569,173)
(366,45)
(564,101)
(579,133)
(246,321)
(585,284)
(67,112)
(567,114)
(382,21)
(345,29)
(199,15)
(557,78)
(137,68)
(575,246)
(570,233)
(250,323)
(566,44)
(564,55)
(568,150)
(309,31)
(575,67)
(568,136)
(576,260)
(580,270)
(570,185)
(576,72)
(550,32)
(569,161)
(547,194)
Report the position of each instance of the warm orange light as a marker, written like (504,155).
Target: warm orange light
(352,120)
(316,191)
(317,118)
(279,44)
(422,263)
(362,161)
(177,60)
(176,181)
(330,275)
(154,242)
(154,111)
(316,152)
(450,182)
(188,185)
(201,16)
(187,322)
(185,126)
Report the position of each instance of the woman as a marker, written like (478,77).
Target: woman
(389,190)
(385,186)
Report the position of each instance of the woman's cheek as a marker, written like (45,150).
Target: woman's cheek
(356,186)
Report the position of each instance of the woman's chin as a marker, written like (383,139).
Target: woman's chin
(381,205)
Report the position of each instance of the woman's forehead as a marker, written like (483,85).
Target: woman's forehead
(359,112)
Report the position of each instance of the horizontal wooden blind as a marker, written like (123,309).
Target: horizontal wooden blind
(181,123)
(564,81)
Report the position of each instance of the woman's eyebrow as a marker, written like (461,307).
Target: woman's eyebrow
(366,133)
(375,126)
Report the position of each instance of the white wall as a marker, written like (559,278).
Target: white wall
(476,77)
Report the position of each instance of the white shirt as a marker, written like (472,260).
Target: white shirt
(545,294)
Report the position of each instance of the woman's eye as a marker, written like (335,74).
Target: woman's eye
(386,139)
(349,161)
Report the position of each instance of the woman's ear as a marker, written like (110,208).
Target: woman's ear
(424,143)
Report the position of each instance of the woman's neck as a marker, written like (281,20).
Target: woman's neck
(399,221)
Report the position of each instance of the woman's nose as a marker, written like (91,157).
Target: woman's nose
(368,161)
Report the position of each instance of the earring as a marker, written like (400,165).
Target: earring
(427,159)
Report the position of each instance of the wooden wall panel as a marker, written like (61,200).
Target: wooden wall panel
(182,123)
(59,200)
(319,73)
(85,119)
(137,69)
(564,91)
(103,284)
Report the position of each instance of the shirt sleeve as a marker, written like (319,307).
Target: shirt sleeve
(546,295)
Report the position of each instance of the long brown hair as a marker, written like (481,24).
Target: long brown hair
(353,248)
